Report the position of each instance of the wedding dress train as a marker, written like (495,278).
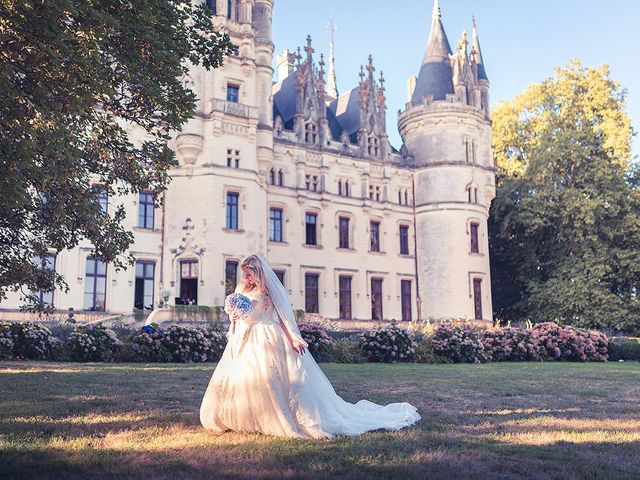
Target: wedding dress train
(262,385)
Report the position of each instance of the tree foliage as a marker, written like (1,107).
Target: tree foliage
(564,227)
(519,126)
(75,75)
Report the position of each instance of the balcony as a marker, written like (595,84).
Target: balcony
(233,108)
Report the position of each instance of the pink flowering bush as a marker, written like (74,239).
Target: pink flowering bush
(569,343)
(93,343)
(511,345)
(147,345)
(320,343)
(387,344)
(190,345)
(30,340)
(460,343)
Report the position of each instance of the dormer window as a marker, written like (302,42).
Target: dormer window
(373,146)
(310,132)
(279,126)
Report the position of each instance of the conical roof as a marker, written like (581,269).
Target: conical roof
(482,73)
(435,77)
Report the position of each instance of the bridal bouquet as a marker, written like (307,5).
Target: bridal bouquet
(237,305)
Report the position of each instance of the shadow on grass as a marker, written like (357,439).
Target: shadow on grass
(73,421)
(377,456)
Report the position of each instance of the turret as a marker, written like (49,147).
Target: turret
(261,22)
(446,130)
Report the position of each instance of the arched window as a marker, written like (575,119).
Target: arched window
(340,187)
(346,189)
(272,175)
(406,197)
(280,178)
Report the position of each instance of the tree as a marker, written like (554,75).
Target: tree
(518,126)
(565,224)
(74,75)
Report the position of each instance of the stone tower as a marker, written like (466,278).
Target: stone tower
(447,130)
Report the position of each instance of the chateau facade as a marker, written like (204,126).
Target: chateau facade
(304,174)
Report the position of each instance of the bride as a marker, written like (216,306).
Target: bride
(267,382)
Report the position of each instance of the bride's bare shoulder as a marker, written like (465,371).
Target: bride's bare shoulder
(241,287)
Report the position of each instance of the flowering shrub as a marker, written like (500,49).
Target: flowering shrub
(93,343)
(460,343)
(569,343)
(511,344)
(147,345)
(320,344)
(186,344)
(31,340)
(387,344)
(6,341)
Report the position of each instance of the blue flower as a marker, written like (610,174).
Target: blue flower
(238,304)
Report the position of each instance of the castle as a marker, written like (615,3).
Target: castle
(305,175)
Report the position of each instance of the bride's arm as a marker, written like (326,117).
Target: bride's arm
(232,324)
(297,346)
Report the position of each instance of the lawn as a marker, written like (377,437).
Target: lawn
(494,421)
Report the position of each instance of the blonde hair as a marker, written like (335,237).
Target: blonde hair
(253,263)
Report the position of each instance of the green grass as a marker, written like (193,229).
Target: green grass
(495,421)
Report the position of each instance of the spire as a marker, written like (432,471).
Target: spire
(436,10)
(332,86)
(475,49)
(435,78)
(438,44)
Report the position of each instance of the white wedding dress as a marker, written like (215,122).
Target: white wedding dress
(262,385)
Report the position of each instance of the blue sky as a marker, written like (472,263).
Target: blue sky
(522,41)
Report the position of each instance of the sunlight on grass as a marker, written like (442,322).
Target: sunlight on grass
(559,436)
(90,419)
(522,411)
(545,430)
(131,421)
(21,371)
